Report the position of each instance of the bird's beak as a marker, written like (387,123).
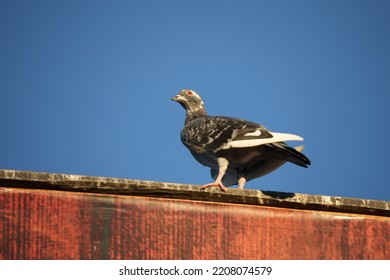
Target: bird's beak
(177,98)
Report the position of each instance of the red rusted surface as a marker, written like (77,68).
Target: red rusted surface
(41,224)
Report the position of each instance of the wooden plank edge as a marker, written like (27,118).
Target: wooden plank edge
(120,186)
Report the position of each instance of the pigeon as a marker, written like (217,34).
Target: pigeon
(235,149)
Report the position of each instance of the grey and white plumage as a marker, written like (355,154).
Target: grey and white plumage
(236,150)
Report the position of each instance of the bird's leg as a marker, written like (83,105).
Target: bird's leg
(222,164)
(241,182)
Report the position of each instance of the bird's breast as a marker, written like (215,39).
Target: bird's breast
(206,158)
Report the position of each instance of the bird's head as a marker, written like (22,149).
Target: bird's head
(190,101)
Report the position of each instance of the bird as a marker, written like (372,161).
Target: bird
(236,150)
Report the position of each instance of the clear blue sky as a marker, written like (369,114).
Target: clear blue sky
(86,85)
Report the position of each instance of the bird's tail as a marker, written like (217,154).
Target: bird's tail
(283,151)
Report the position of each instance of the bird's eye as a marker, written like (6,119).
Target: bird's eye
(190,93)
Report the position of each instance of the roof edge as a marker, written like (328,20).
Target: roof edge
(119,186)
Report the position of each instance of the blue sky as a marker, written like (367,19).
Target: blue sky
(86,85)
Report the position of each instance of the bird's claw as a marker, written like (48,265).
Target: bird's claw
(214,184)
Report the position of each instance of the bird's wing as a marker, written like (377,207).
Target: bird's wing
(252,134)
(217,133)
(256,139)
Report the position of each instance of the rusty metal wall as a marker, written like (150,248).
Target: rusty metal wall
(43,224)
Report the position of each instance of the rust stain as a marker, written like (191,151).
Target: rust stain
(42,224)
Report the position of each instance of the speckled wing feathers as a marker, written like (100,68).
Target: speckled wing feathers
(216,133)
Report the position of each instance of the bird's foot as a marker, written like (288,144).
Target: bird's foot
(215,184)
